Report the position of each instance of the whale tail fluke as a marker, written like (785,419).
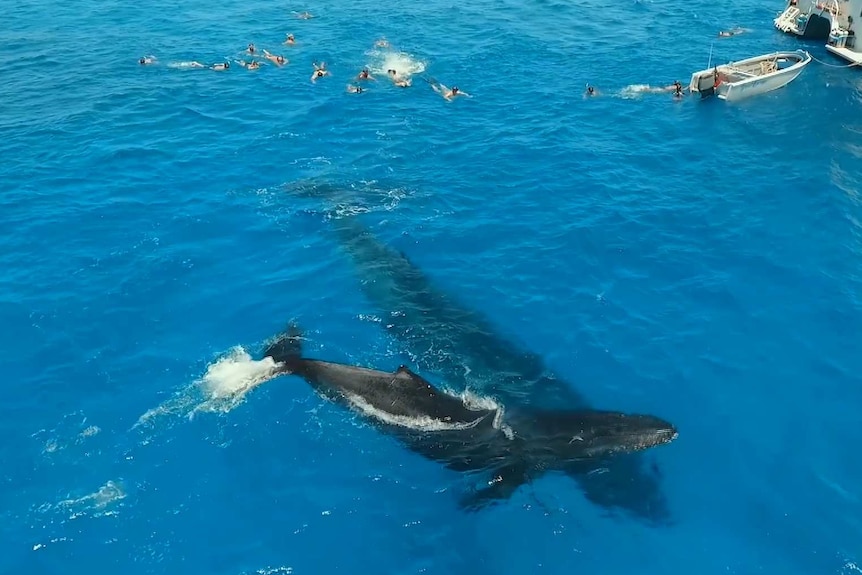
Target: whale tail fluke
(287,348)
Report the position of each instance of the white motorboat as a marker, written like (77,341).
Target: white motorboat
(750,77)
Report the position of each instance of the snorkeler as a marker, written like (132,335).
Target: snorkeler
(354,89)
(364,75)
(146,60)
(220,66)
(290,40)
(319,71)
(250,49)
(304,16)
(677,89)
(733,32)
(397,80)
(447,93)
(253,65)
(277,60)
(590,91)
(382,43)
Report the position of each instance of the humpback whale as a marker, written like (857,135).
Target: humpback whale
(448,339)
(516,445)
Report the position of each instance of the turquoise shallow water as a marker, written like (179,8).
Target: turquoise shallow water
(696,260)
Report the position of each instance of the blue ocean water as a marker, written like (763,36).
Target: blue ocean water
(696,260)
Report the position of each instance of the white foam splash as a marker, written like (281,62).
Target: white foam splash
(59,436)
(403,63)
(636,90)
(96,502)
(222,388)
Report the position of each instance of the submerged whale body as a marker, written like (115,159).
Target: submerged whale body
(427,320)
(516,445)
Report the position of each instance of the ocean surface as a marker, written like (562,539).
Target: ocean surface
(697,260)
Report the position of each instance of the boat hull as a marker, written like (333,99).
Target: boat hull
(750,77)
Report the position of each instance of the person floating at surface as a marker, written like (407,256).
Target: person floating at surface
(304,15)
(147,60)
(447,93)
(590,91)
(277,60)
(732,32)
(319,71)
(250,49)
(221,66)
(677,89)
(364,75)
(382,43)
(290,40)
(397,80)
(253,65)
(354,89)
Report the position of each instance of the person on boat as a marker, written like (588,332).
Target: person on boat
(364,75)
(253,65)
(447,93)
(397,80)
(354,89)
(277,60)
(290,40)
(147,60)
(319,71)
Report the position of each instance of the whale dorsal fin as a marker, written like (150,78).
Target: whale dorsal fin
(404,370)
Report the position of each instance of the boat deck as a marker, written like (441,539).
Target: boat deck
(849,55)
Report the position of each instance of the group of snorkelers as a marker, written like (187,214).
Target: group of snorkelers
(320,70)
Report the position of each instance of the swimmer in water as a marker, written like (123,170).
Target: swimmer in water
(319,71)
(354,89)
(220,66)
(304,16)
(728,33)
(277,60)
(364,75)
(590,91)
(382,43)
(290,40)
(250,49)
(147,60)
(447,93)
(397,80)
(253,65)
(677,89)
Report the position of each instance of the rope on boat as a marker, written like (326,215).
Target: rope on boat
(850,65)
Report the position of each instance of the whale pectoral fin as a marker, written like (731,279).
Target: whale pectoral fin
(501,487)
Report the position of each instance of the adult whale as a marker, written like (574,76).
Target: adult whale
(448,339)
(516,445)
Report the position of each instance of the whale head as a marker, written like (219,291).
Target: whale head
(580,435)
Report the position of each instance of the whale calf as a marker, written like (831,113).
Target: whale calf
(516,445)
